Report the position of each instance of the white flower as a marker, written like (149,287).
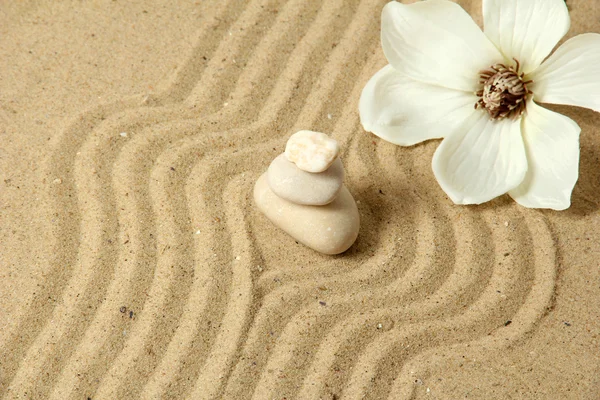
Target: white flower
(447,79)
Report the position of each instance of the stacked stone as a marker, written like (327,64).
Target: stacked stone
(303,194)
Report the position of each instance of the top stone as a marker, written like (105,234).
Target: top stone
(311,151)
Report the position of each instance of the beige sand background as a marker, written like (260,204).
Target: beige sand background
(133,263)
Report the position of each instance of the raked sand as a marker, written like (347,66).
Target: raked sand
(134,264)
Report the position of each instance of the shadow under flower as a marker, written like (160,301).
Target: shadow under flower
(585,199)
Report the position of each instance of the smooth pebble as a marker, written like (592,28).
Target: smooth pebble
(329,229)
(298,186)
(311,151)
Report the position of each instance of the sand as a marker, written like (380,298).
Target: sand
(133,263)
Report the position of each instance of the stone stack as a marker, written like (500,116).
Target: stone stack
(303,194)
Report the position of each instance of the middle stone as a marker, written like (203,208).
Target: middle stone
(316,189)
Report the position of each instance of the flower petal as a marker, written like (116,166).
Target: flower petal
(552,147)
(405,112)
(572,74)
(527,30)
(481,160)
(437,42)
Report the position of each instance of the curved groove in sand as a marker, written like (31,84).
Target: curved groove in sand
(169,229)
(97,227)
(210,382)
(195,320)
(63,250)
(373,372)
(407,287)
(215,25)
(524,320)
(487,313)
(68,232)
(308,326)
(98,180)
(380,317)
(137,238)
(379,359)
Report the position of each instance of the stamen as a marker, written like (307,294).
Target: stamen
(504,92)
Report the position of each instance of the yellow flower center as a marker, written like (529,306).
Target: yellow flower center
(504,91)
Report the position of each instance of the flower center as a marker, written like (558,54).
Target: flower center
(504,92)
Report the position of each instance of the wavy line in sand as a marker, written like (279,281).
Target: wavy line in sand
(411,284)
(535,305)
(64,246)
(421,311)
(65,212)
(381,359)
(140,248)
(331,351)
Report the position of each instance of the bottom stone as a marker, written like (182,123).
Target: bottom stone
(329,229)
